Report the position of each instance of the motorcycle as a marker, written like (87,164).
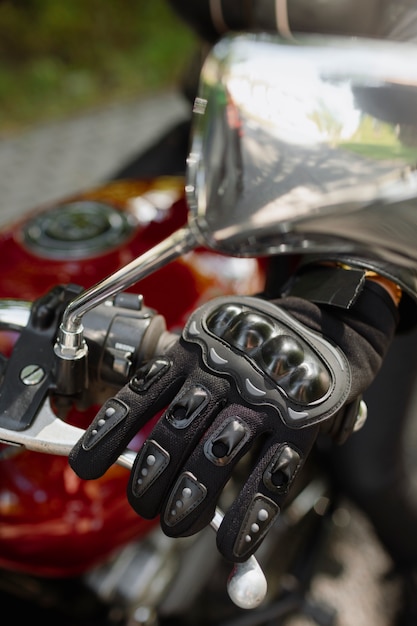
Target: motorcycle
(99,282)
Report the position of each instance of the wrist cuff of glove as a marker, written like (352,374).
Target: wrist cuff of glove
(340,285)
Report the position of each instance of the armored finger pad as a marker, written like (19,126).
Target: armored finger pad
(187,494)
(152,461)
(226,442)
(111,414)
(186,407)
(259,518)
(149,374)
(282,469)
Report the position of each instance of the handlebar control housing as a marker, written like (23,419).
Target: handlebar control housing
(29,373)
(119,334)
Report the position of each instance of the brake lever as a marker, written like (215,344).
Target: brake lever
(48,434)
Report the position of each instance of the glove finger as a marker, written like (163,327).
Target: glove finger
(192,500)
(258,505)
(173,440)
(121,417)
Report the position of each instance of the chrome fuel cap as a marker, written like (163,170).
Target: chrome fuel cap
(76,230)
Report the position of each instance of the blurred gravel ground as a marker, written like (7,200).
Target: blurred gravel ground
(48,162)
(352,576)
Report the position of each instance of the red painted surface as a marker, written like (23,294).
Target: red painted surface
(51,522)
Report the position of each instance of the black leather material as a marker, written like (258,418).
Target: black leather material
(406,278)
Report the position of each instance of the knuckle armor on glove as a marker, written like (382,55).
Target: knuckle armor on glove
(244,372)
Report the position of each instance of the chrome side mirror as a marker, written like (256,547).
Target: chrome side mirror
(297,147)
(306,146)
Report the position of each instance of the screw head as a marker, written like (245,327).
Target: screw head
(32,375)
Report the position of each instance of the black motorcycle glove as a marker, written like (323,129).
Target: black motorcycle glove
(245,375)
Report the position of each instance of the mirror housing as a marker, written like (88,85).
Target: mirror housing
(306,146)
(298,147)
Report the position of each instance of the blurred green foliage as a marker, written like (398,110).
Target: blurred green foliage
(57,57)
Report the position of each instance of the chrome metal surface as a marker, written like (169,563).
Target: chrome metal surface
(14,314)
(306,146)
(178,243)
(298,147)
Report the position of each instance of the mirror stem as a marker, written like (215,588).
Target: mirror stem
(70,339)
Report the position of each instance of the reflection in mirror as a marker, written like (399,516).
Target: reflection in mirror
(306,146)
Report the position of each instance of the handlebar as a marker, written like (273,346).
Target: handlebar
(48,434)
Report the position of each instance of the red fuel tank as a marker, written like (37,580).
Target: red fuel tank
(51,522)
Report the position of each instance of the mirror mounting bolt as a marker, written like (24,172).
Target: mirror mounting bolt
(70,345)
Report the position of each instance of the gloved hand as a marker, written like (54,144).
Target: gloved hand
(244,372)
